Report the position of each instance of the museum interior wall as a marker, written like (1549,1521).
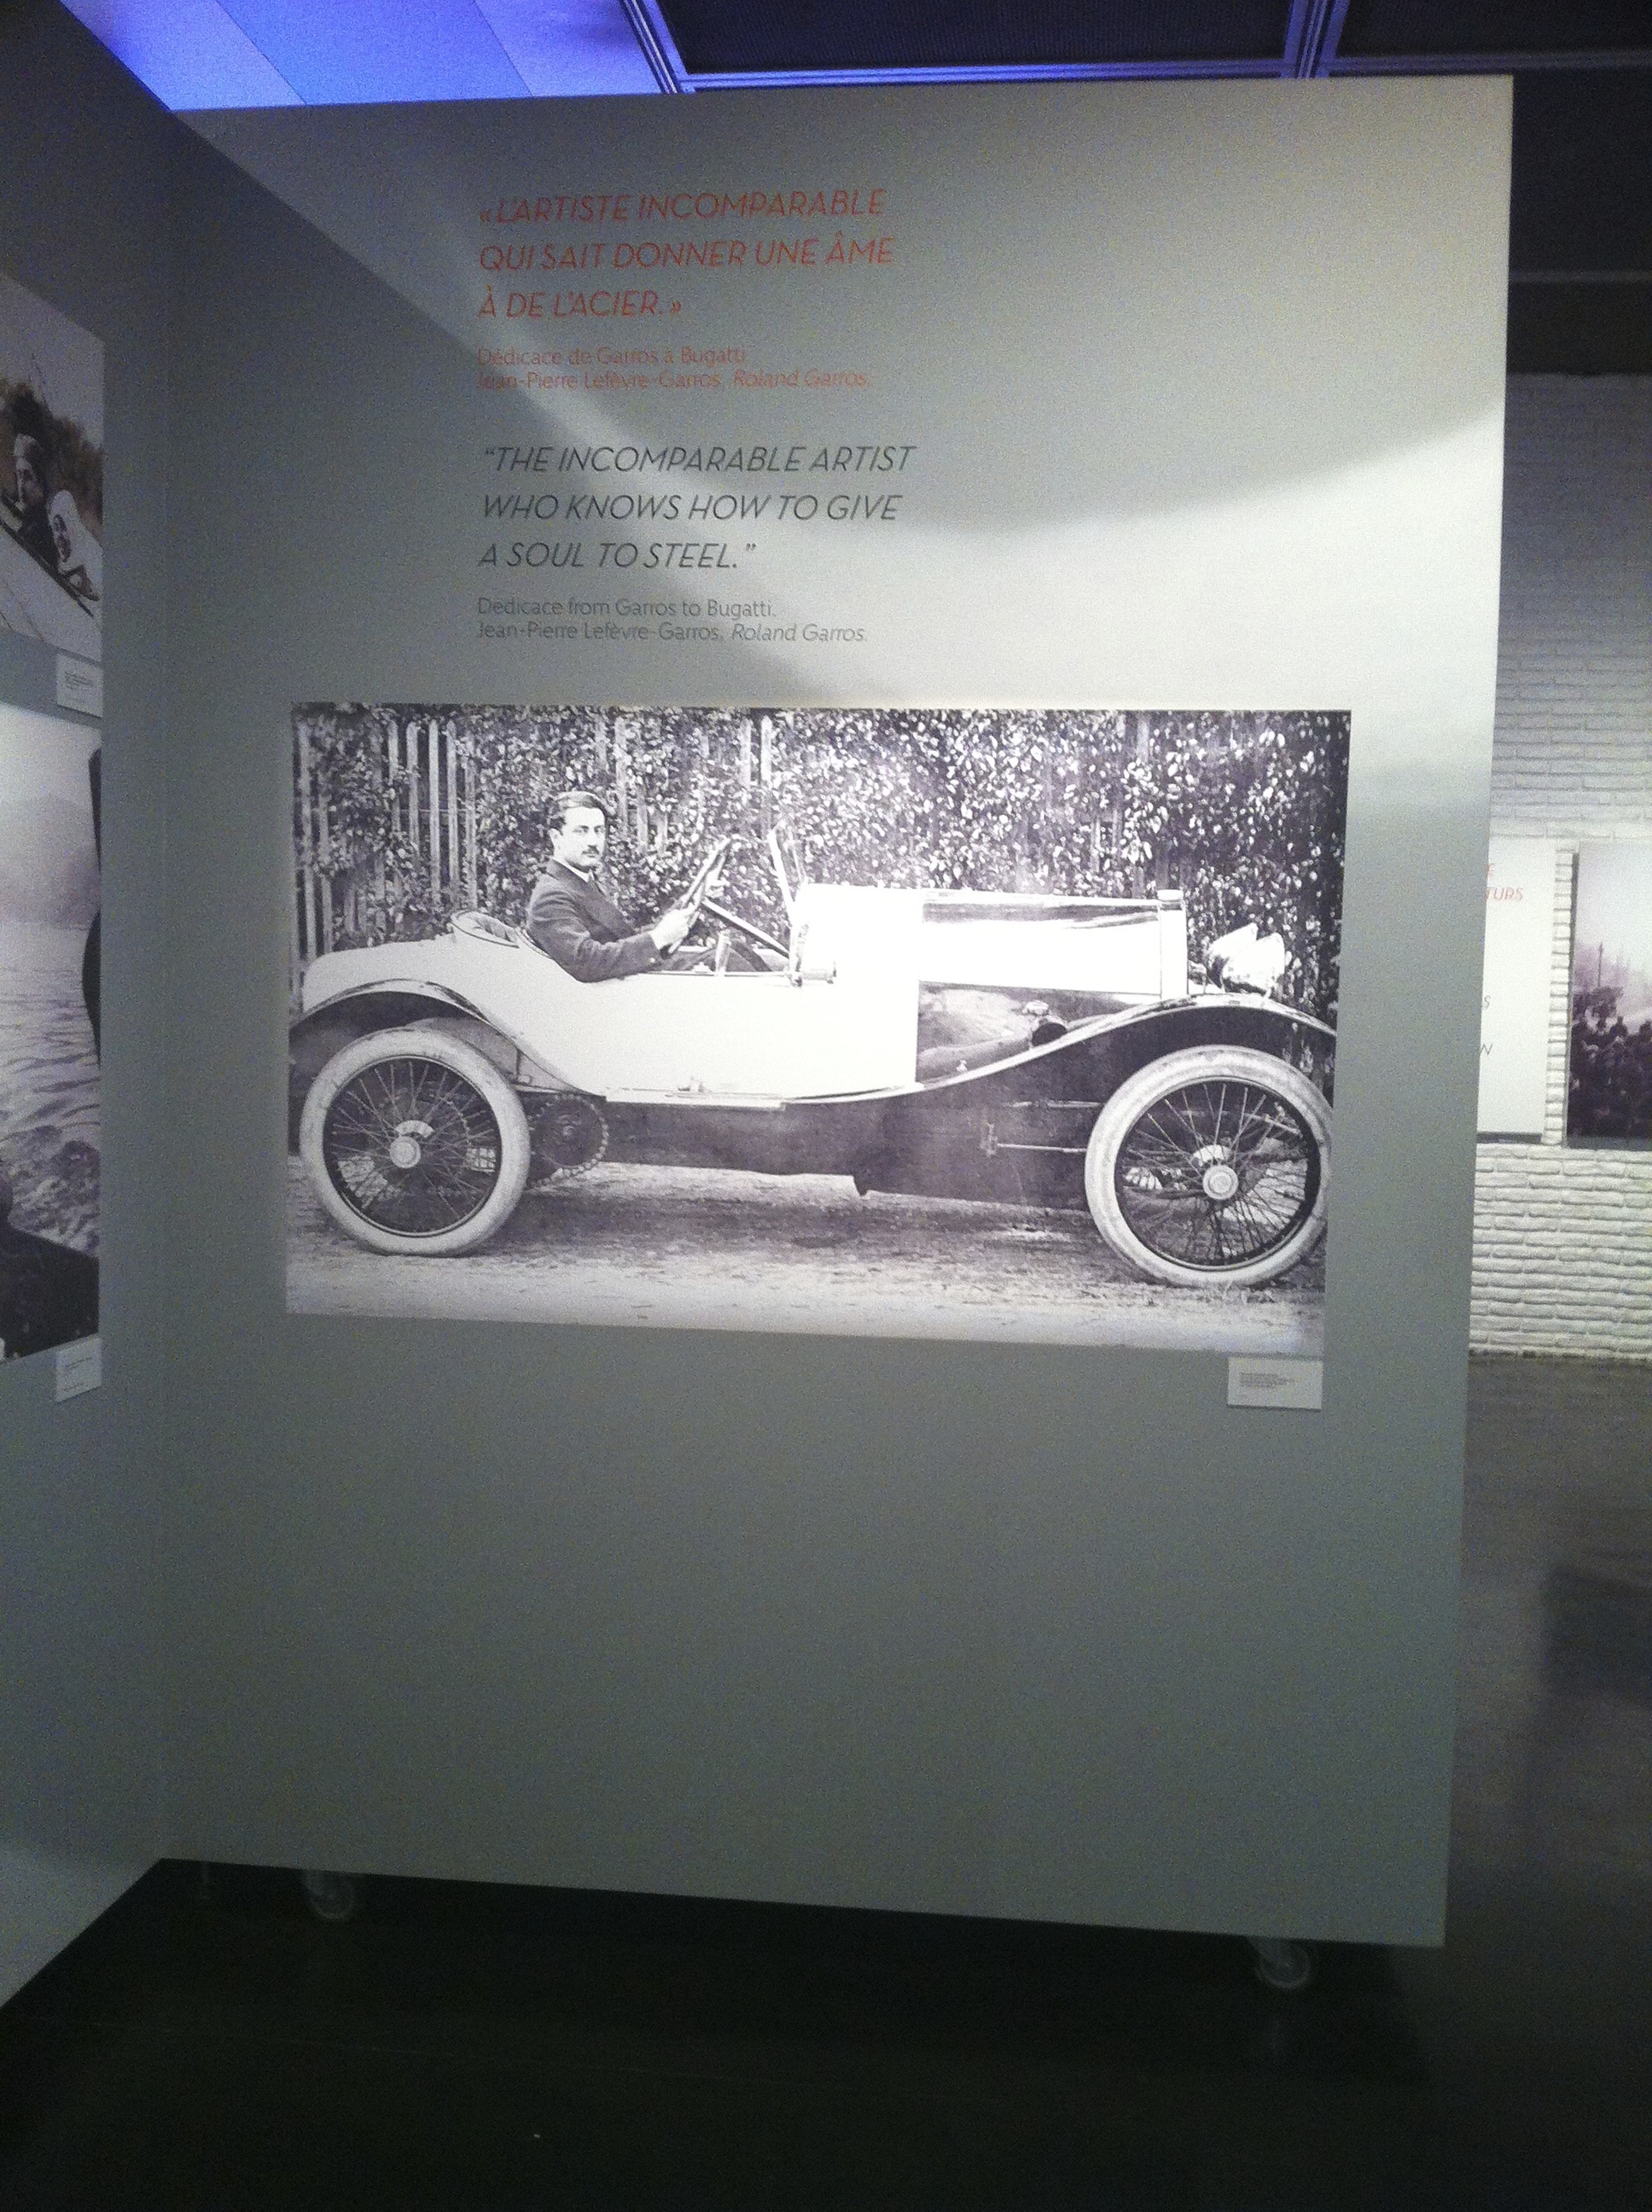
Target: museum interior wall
(84,221)
(1563,1233)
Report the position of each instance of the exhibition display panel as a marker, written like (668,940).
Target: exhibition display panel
(1016,504)
(833,744)
(85,216)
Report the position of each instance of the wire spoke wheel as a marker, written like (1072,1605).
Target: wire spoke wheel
(415,1142)
(412,1147)
(1212,1165)
(1217,1173)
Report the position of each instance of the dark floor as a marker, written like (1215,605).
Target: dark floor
(210,2045)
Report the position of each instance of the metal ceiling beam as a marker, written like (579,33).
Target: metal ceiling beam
(1311,36)
(975,73)
(1618,57)
(653,35)
(197,51)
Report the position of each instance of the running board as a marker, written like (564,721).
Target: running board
(746,1104)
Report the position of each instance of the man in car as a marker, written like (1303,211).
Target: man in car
(573,919)
(34,493)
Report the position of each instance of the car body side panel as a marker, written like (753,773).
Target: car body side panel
(1115,947)
(752,1034)
(1015,1133)
(848,1018)
(836,1138)
(824,1075)
(1018,1131)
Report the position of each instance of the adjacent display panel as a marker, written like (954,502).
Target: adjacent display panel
(1609,1092)
(1007,1025)
(50,475)
(50,1137)
(1514,1007)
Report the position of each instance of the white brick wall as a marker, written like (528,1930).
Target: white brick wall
(1563,1235)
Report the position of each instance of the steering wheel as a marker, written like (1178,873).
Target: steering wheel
(751,929)
(705,874)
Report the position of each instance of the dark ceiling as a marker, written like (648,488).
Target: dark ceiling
(1303,38)
(1581,298)
(1579,295)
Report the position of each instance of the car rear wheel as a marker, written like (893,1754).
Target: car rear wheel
(1212,1166)
(415,1142)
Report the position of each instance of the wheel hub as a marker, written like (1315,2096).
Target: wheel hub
(1217,1177)
(406,1148)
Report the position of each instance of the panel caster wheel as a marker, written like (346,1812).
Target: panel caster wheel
(1282,1966)
(332,1898)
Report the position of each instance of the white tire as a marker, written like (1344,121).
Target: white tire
(1212,1166)
(415,1142)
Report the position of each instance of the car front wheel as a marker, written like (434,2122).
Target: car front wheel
(1212,1166)
(415,1143)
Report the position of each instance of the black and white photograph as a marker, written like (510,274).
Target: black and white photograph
(51,1135)
(1609,1093)
(50,475)
(1013,1025)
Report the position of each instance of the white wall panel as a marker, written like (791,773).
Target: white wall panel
(990,1630)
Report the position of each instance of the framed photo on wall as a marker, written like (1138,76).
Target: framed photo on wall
(50,475)
(1003,1024)
(1609,1087)
(51,1125)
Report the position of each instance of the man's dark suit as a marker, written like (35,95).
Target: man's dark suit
(580,926)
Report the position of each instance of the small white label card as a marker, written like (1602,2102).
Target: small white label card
(79,684)
(1298,1383)
(79,1367)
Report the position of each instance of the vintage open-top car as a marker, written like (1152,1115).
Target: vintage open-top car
(1033,1050)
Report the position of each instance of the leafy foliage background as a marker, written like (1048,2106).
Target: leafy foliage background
(1245,812)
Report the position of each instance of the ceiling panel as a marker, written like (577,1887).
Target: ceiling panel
(1580,330)
(189,52)
(219,54)
(1582,171)
(561,48)
(715,37)
(1435,29)
(378,50)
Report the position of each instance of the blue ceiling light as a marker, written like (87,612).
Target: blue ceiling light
(380,50)
(277,53)
(560,48)
(189,52)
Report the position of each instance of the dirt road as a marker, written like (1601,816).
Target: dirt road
(668,1247)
